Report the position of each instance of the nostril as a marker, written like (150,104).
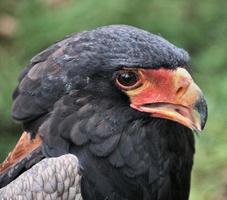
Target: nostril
(180,91)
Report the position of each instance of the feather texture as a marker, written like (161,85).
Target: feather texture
(51,178)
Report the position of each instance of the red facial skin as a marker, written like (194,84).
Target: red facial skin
(168,94)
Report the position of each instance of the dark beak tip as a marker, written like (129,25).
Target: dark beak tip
(201,107)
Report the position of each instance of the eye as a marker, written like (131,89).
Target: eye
(127,79)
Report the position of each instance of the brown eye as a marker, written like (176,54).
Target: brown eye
(127,79)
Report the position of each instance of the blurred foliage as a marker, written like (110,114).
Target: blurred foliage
(200,27)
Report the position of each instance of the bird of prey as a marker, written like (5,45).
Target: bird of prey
(122,101)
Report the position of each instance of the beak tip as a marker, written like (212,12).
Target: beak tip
(201,107)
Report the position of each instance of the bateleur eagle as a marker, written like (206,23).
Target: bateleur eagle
(121,100)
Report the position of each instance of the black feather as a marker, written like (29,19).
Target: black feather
(68,95)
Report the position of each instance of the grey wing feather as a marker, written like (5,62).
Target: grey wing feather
(51,178)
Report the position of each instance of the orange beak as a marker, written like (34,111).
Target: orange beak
(170,94)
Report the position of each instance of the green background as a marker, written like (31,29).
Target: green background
(200,27)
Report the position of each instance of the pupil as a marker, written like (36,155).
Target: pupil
(128,79)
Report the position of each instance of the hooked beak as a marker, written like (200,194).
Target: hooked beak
(170,94)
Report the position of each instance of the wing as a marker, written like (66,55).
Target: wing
(26,153)
(41,84)
(51,178)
